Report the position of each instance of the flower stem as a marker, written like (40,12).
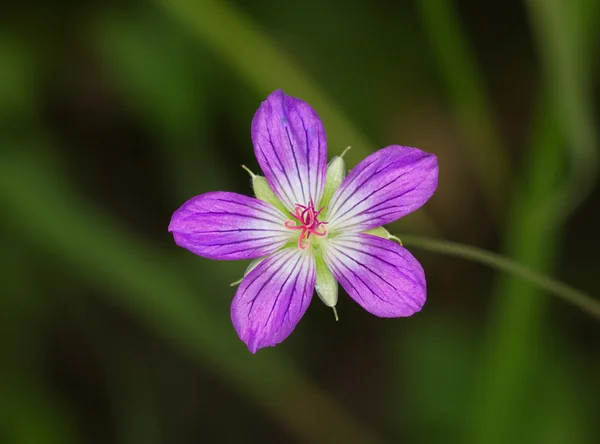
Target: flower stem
(576,297)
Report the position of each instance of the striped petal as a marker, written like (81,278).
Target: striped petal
(291,148)
(221,225)
(273,297)
(383,277)
(384,187)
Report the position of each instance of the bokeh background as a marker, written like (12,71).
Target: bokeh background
(114,113)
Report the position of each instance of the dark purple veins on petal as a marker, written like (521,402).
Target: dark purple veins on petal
(383,277)
(273,297)
(386,186)
(221,225)
(290,146)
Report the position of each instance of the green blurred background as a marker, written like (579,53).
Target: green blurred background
(114,113)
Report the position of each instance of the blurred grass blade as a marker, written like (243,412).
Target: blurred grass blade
(517,328)
(563,46)
(516,315)
(266,67)
(459,73)
(147,283)
(463,80)
(569,294)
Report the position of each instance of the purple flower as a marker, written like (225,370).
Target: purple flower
(310,227)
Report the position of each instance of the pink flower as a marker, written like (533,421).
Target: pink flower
(310,226)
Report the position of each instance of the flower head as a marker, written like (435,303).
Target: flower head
(310,227)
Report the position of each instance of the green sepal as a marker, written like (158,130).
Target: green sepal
(264,192)
(379,232)
(382,232)
(326,285)
(336,172)
(252,265)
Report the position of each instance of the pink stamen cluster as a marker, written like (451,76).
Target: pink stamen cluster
(309,224)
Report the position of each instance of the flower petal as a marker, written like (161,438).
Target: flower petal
(383,277)
(384,187)
(291,148)
(221,225)
(273,297)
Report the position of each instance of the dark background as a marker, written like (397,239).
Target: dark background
(114,113)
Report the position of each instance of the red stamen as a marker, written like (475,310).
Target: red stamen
(309,224)
(292,225)
(301,244)
(322,233)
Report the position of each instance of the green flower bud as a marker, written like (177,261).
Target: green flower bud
(336,172)
(326,285)
(264,192)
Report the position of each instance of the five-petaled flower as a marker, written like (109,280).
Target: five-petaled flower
(310,226)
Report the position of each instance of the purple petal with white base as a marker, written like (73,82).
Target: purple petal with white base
(383,277)
(384,187)
(273,297)
(222,225)
(291,148)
